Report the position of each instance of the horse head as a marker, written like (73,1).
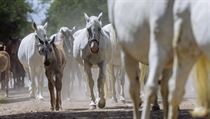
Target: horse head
(65,36)
(93,26)
(46,49)
(40,31)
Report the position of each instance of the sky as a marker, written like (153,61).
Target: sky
(41,9)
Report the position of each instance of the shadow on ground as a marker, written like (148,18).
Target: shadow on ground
(184,114)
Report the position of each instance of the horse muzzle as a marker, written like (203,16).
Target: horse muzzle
(94,46)
(46,63)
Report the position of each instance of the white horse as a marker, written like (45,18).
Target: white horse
(192,46)
(92,47)
(145,31)
(32,61)
(115,65)
(72,70)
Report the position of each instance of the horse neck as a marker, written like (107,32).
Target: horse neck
(68,49)
(170,6)
(57,53)
(34,45)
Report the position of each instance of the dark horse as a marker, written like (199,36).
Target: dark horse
(16,68)
(54,63)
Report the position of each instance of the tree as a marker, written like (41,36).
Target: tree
(13,14)
(70,13)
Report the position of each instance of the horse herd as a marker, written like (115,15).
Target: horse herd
(167,36)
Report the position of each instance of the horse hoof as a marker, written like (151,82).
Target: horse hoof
(122,100)
(32,96)
(155,108)
(57,108)
(92,107)
(114,99)
(102,103)
(52,108)
(199,112)
(40,97)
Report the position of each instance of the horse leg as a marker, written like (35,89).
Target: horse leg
(87,69)
(70,86)
(33,83)
(66,83)
(101,82)
(164,90)
(51,87)
(143,79)
(29,82)
(58,86)
(6,81)
(132,70)
(113,81)
(18,82)
(7,77)
(15,80)
(72,81)
(40,85)
(155,106)
(22,81)
(122,83)
(157,61)
(181,69)
(2,80)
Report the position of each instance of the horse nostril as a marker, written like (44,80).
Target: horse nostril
(46,63)
(94,47)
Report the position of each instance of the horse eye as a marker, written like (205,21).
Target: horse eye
(99,29)
(89,31)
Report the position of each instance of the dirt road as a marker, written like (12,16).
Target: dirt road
(20,106)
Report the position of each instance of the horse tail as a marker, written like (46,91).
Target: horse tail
(202,87)
(143,75)
(107,84)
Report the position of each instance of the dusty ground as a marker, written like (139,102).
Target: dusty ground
(20,106)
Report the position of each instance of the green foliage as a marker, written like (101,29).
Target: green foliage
(13,18)
(70,13)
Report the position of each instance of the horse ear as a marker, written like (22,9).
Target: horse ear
(74,28)
(87,18)
(45,25)
(100,16)
(62,32)
(53,39)
(34,26)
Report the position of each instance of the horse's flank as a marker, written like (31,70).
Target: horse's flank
(5,61)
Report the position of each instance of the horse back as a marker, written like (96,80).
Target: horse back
(28,53)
